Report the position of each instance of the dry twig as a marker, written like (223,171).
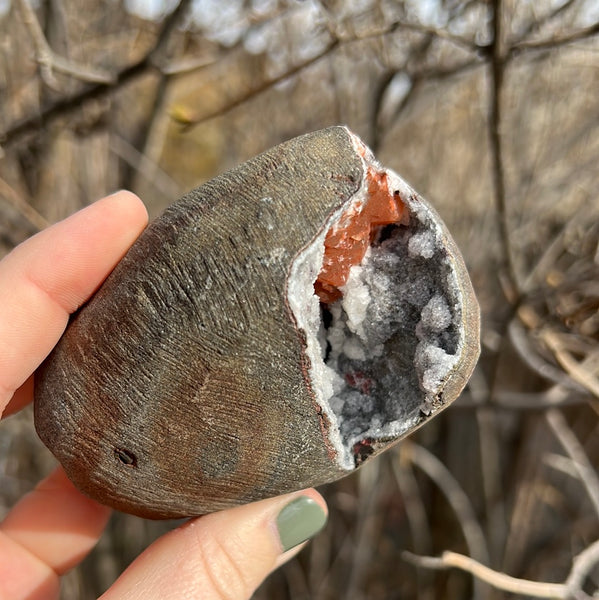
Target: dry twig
(584,469)
(577,371)
(49,61)
(456,497)
(497,67)
(522,344)
(22,206)
(571,589)
(413,502)
(555,396)
(63,106)
(144,165)
(555,42)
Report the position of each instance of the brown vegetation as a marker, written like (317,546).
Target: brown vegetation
(489,109)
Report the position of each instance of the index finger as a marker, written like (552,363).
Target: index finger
(49,276)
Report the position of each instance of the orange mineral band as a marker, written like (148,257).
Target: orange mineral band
(348,240)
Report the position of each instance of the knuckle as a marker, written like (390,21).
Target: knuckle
(220,565)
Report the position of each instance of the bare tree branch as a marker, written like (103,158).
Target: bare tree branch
(555,42)
(456,497)
(22,206)
(49,61)
(497,66)
(552,253)
(265,85)
(141,163)
(536,25)
(30,125)
(547,370)
(408,486)
(553,397)
(369,523)
(496,579)
(187,65)
(581,567)
(571,589)
(151,61)
(414,504)
(343,31)
(586,472)
(575,370)
(489,448)
(561,463)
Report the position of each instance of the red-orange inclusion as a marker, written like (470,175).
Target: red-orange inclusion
(347,241)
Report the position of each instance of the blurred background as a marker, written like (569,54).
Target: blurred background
(490,109)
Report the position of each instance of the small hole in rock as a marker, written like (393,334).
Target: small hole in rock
(327,317)
(127,458)
(384,233)
(362,451)
(327,320)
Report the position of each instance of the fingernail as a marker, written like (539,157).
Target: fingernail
(300,520)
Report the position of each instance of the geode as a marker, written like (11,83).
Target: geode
(273,329)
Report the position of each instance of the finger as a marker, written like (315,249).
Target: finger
(224,555)
(56,523)
(50,275)
(23,576)
(21,397)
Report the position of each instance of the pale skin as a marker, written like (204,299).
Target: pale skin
(51,529)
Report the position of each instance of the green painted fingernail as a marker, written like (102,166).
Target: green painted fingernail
(300,520)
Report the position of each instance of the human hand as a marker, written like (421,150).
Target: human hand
(50,530)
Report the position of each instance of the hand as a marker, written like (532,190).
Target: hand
(51,529)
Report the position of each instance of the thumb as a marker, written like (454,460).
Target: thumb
(223,555)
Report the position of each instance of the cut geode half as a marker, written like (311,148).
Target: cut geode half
(384,355)
(272,330)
